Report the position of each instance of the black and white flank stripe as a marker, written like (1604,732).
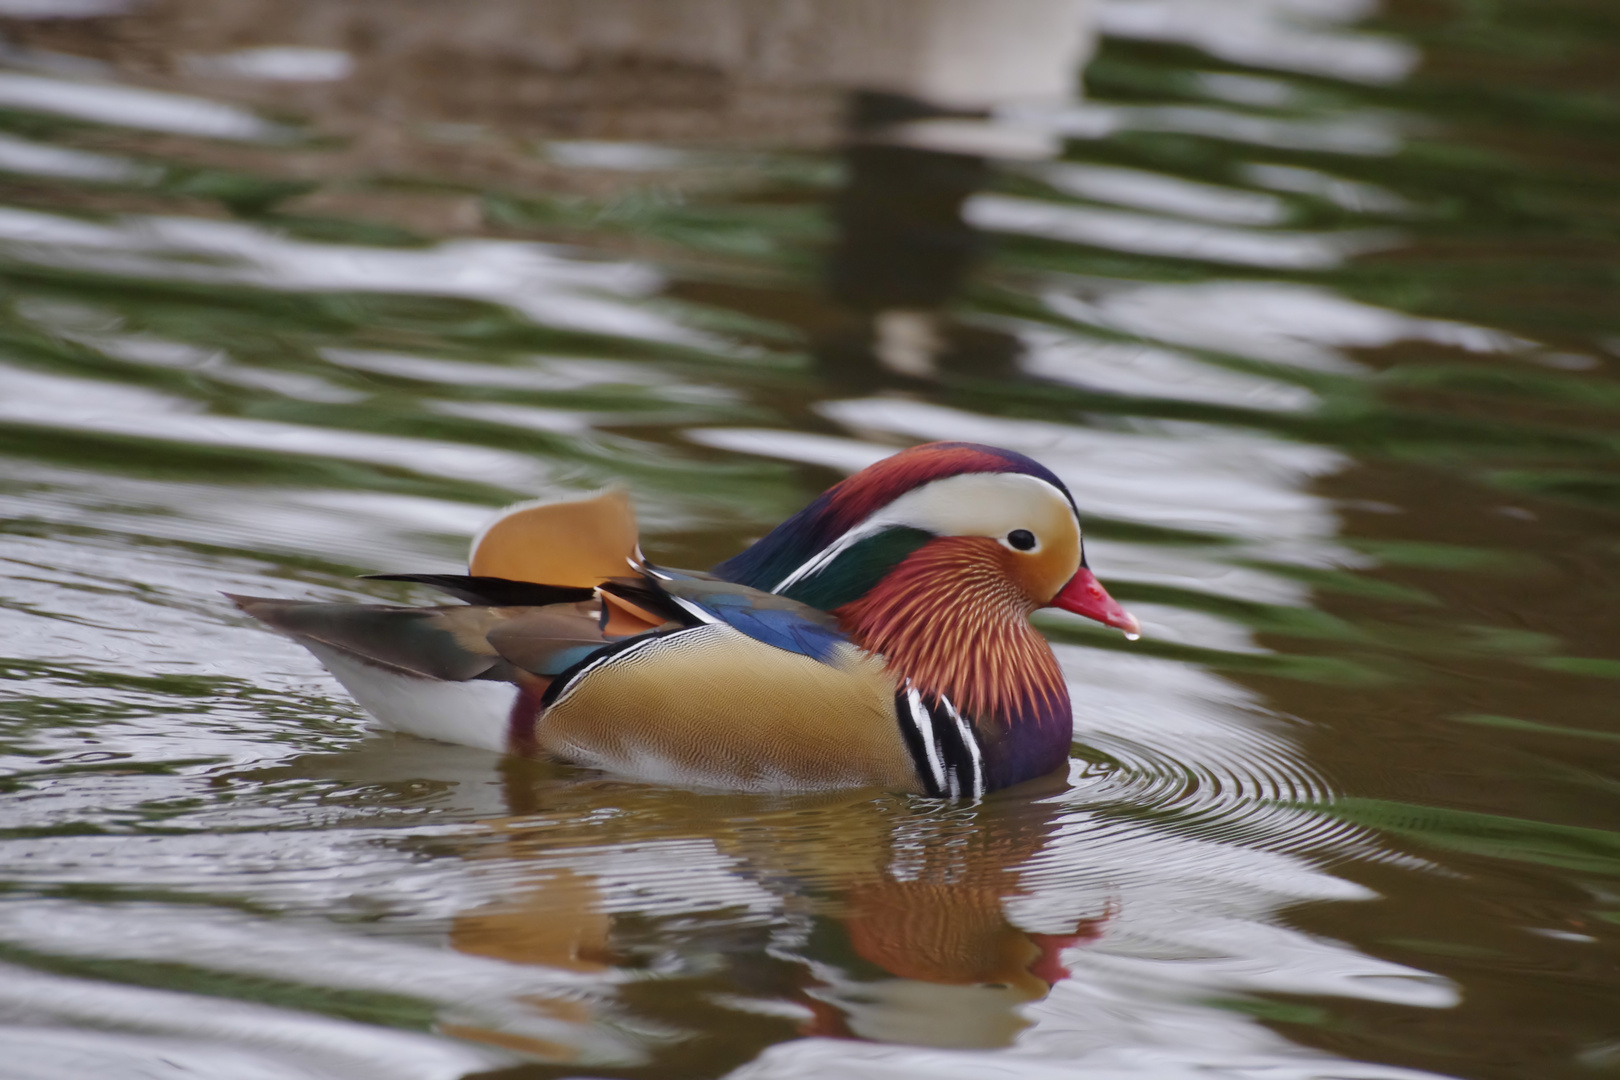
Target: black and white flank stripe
(944,747)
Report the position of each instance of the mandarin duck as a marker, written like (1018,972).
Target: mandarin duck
(878,637)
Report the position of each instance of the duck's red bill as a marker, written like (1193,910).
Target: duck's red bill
(1084,595)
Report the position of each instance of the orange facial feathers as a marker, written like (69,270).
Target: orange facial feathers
(953,619)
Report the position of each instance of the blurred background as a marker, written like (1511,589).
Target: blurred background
(1313,304)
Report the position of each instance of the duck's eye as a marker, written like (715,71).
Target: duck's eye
(1022,539)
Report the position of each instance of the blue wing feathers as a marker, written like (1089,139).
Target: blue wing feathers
(773,620)
(785,630)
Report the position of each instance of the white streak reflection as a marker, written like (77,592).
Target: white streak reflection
(1146,370)
(314,1044)
(42,159)
(133,107)
(541,282)
(36,399)
(1291,35)
(1363,132)
(277,63)
(1350,194)
(1280,322)
(1149,235)
(1166,194)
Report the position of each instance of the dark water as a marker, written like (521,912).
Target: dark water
(1314,305)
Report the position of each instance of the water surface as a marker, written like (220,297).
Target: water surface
(1313,307)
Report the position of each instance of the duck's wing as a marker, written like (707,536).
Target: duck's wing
(620,617)
(535,552)
(574,542)
(636,604)
(448,644)
(419,643)
(464,674)
(693,598)
(493,591)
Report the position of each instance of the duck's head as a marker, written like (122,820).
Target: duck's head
(977,514)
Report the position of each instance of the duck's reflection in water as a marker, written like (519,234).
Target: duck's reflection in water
(853,915)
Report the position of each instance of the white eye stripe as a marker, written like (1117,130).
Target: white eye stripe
(971,504)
